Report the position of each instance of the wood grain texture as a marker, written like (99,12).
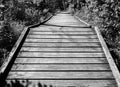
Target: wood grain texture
(57,54)
(60,60)
(51,28)
(62,50)
(61,37)
(61,40)
(56,67)
(56,32)
(61,75)
(65,45)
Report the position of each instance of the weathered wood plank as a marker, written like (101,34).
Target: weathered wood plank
(66,45)
(60,60)
(38,54)
(55,32)
(53,28)
(47,67)
(61,75)
(62,37)
(58,49)
(63,40)
(62,30)
(65,34)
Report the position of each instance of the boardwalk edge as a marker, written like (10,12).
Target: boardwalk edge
(111,62)
(5,68)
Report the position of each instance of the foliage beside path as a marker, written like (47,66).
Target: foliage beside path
(106,15)
(16,14)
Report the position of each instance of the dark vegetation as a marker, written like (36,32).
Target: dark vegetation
(106,15)
(16,14)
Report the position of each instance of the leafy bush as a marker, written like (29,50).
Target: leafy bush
(7,40)
(18,14)
(3,55)
(106,15)
(7,37)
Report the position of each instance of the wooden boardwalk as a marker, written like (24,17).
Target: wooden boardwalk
(63,52)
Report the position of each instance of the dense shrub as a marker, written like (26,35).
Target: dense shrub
(3,55)
(7,37)
(20,15)
(106,15)
(7,40)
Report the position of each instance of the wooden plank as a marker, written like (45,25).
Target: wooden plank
(40,49)
(62,37)
(63,40)
(62,29)
(38,54)
(64,34)
(61,75)
(55,32)
(70,83)
(60,60)
(47,67)
(64,24)
(68,45)
(52,28)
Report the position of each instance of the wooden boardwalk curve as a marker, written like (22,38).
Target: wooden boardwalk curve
(63,52)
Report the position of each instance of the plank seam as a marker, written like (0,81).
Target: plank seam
(63,63)
(60,71)
(61,78)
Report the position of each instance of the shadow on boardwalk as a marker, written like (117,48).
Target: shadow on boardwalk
(23,83)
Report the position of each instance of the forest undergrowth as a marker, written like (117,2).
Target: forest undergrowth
(106,15)
(16,14)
